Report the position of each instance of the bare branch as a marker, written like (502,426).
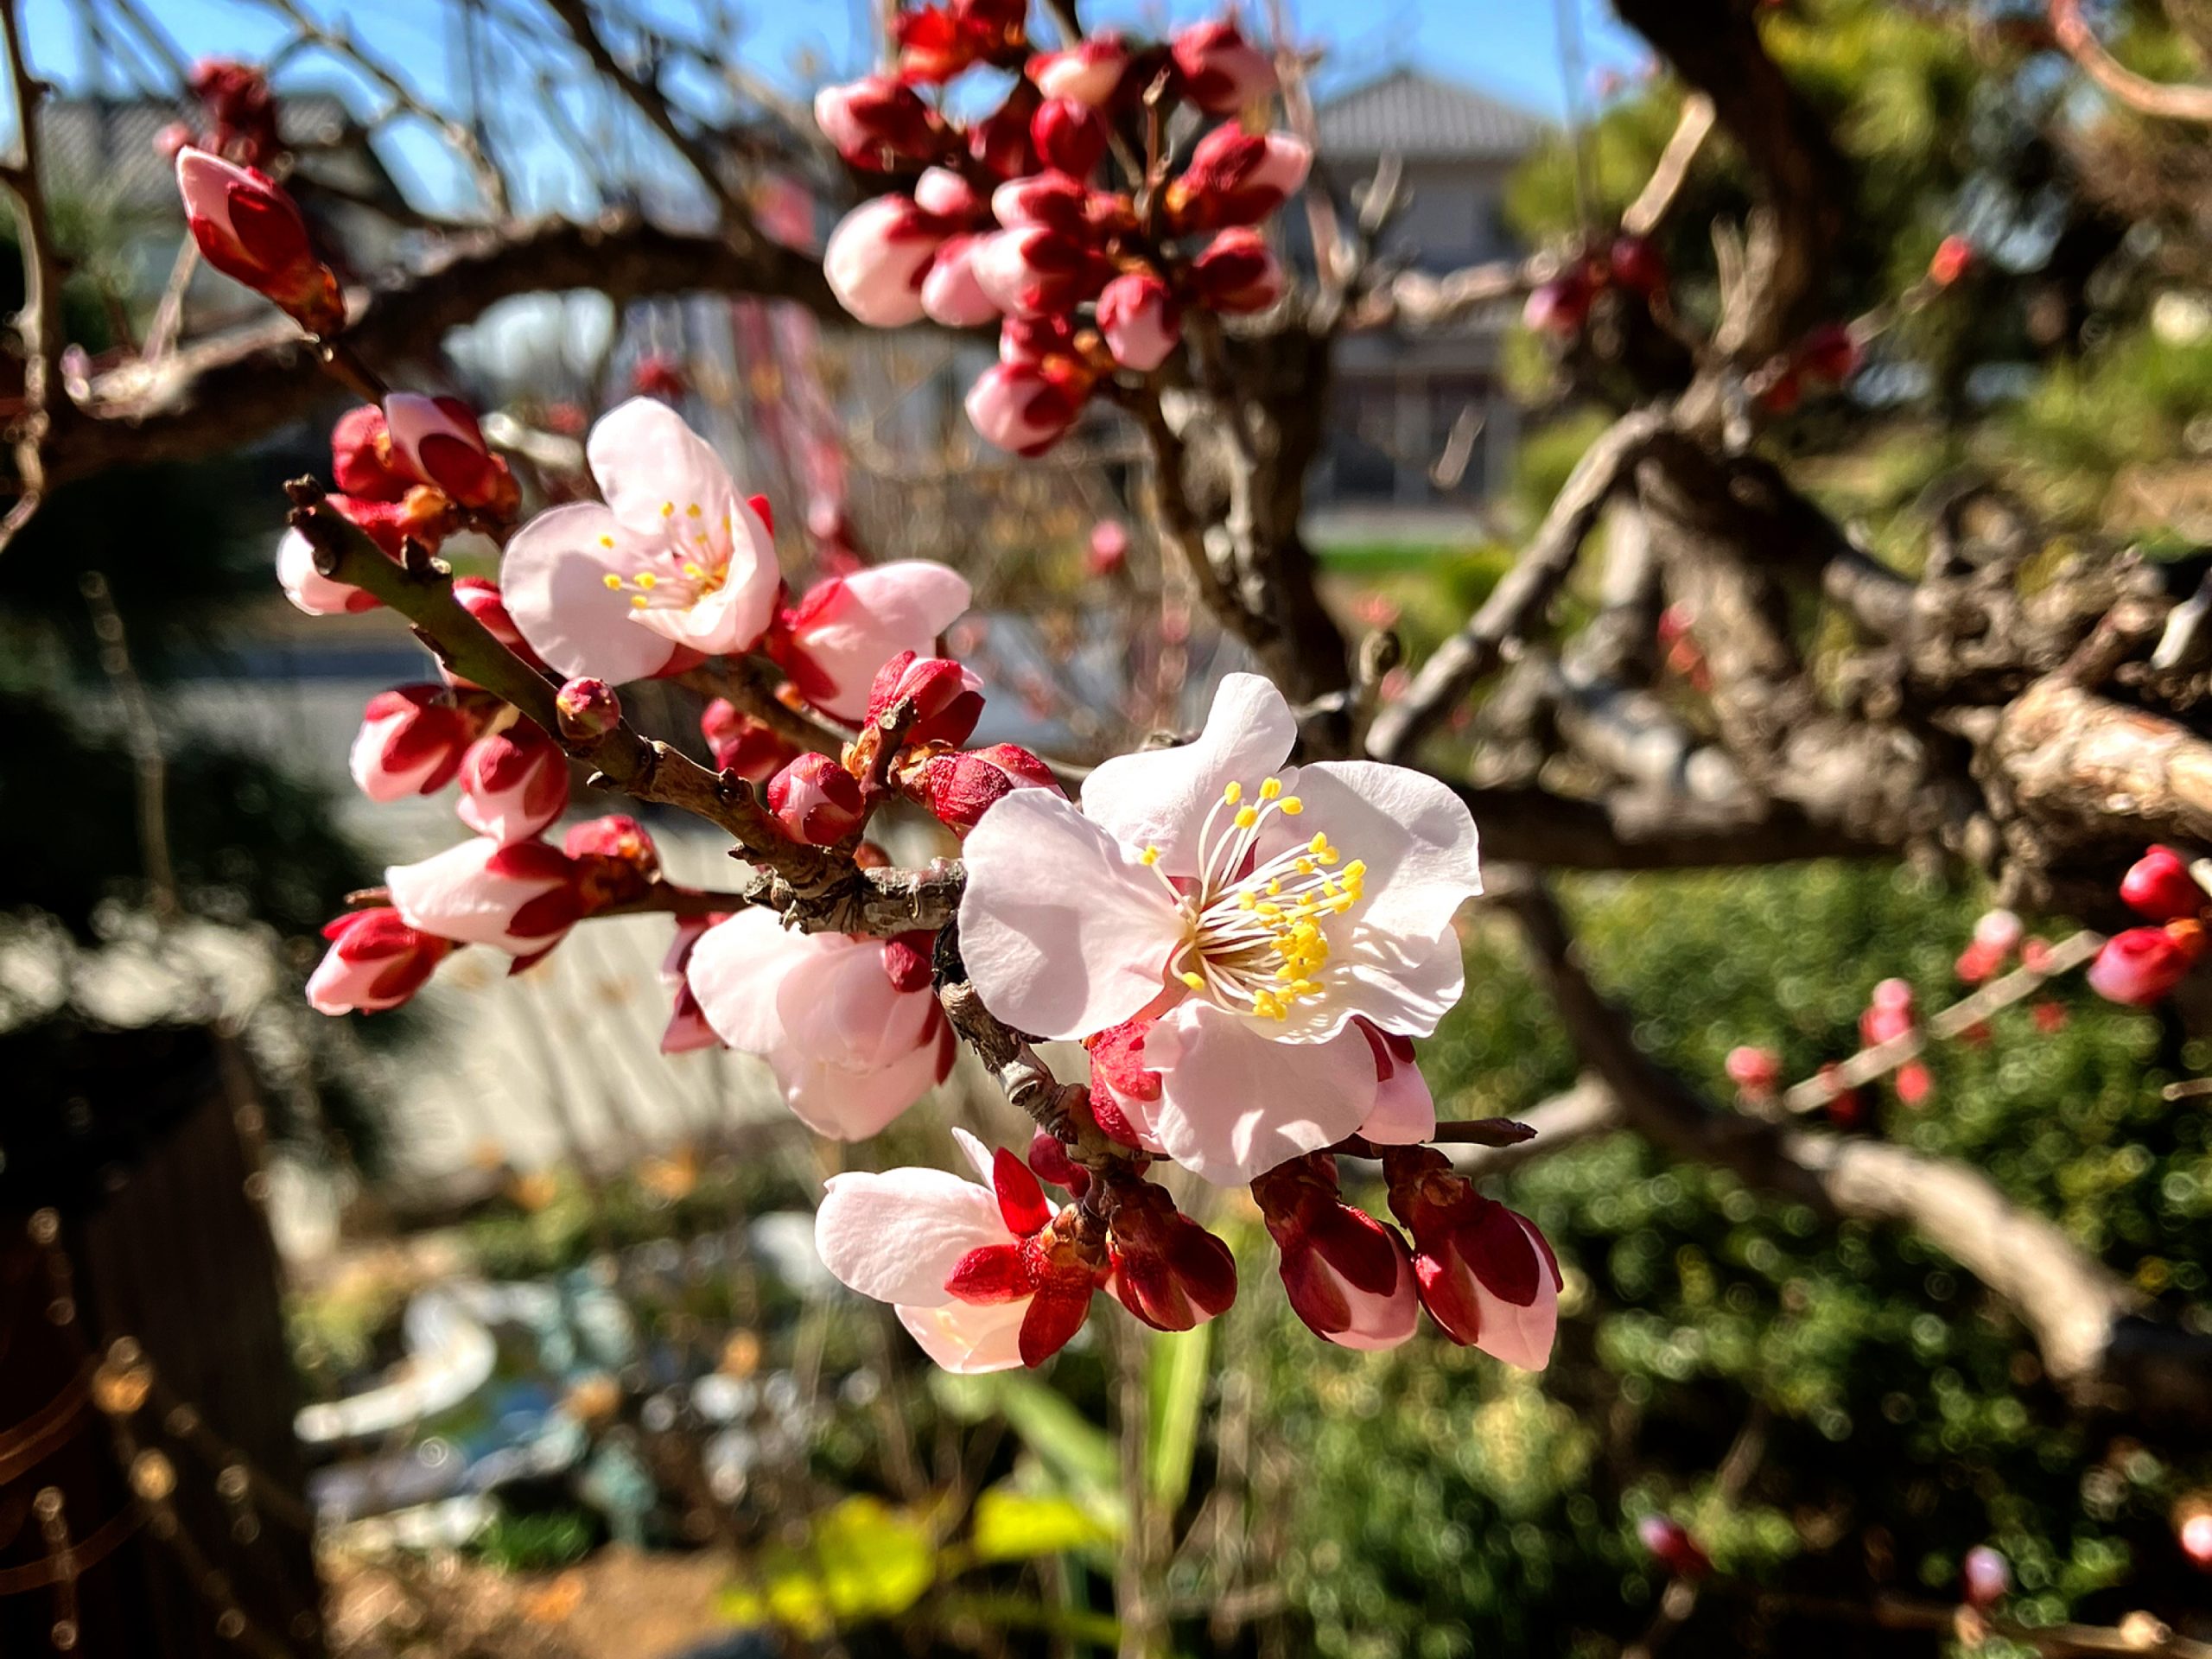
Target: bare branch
(2080,43)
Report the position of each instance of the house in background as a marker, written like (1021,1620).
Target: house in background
(1419,420)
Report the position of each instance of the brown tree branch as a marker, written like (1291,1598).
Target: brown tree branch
(219,393)
(38,324)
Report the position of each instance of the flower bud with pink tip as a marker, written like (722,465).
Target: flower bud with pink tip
(1088,72)
(1034,270)
(520,898)
(360,456)
(1754,1070)
(1889,1013)
(1349,1277)
(1222,72)
(248,227)
(878,257)
(1169,1271)
(1237,272)
(1025,410)
(743,745)
(513,784)
(948,699)
(308,588)
(2141,965)
(480,597)
(1053,200)
(950,294)
(376,961)
(587,708)
(613,861)
(1672,1547)
(1487,1276)
(1237,177)
(878,124)
(1107,551)
(815,800)
(1141,323)
(2159,884)
(958,789)
(1069,136)
(1000,142)
(412,742)
(1985,1578)
(1404,1112)
(438,441)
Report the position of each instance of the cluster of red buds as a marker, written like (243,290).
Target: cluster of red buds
(414,469)
(2140,965)
(239,116)
(1561,305)
(1007,219)
(1485,1274)
(1891,1015)
(920,711)
(1824,359)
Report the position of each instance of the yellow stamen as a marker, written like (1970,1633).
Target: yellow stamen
(637,602)
(1271,790)
(1196,982)
(1291,806)
(1246,816)
(613,582)
(1149,857)
(1233,794)
(668,509)
(647,580)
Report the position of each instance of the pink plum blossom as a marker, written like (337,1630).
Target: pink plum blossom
(375,961)
(849,1026)
(976,1271)
(877,257)
(521,899)
(677,557)
(1349,1277)
(1250,909)
(833,641)
(513,784)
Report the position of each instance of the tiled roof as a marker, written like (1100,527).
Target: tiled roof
(1408,113)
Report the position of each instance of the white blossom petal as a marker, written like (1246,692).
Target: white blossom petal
(1161,798)
(897,1236)
(1235,1102)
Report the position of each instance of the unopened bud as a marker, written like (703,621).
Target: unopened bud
(815,800)
(249,228)
(948,699)
(588,708)
(960,788)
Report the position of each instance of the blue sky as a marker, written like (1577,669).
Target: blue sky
(1509,46)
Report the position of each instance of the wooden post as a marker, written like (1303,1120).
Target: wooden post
(151,1488)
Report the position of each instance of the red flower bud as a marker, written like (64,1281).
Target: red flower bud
(1636,264)
(1487,1276)
(1168,1270)
(1828,353)
(2159,885)
(1954,257)
(1222,72)
(1069,136)
(960,788)
(948,699)
(1139,320)
(1237,272)
(815,800)
(513,784)
(614,860)
(878,124)
(1237,177)
(2142,964)
(249,228)
(1754,1070)
(741,744)
(479,597)
(1985,1578)
(999,144)
(1024,409)
(587,709)
(360,456)
(375,961)
(1349,1277)
(412,742)
(438,441)
(1673,1547)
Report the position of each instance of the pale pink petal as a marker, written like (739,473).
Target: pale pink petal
(736,969)
(1161,798)
(1404,985)
(646,461)
(1416,835)
(1234,1102)
(1404,1113)
(1062,932)
(884,610)
(1378,1322)
(1522,1337)
(839,1007)
(553,579)
(309,588)
(897,1236)
(844,1104)
(454,895)
(979,1156)
(966,1338)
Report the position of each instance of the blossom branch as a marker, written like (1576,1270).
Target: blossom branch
(810,887)
(2080,43)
